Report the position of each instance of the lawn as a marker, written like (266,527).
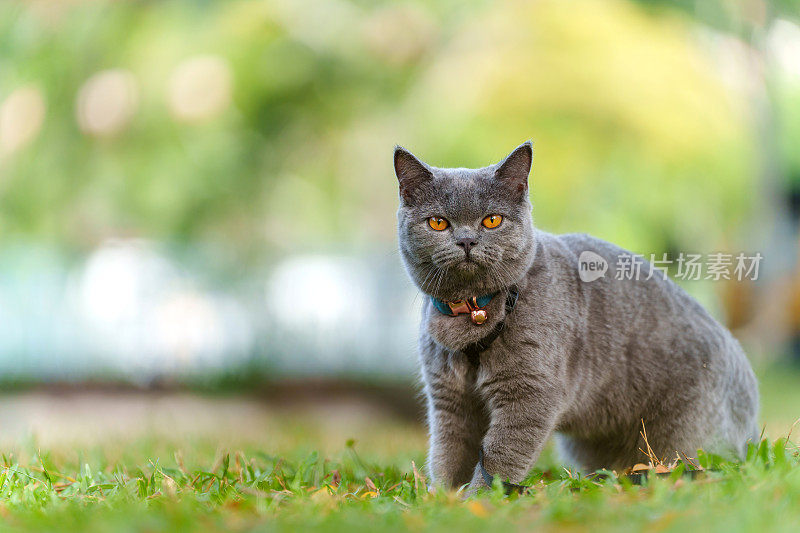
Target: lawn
(305,469)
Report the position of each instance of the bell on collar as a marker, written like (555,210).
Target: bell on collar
(479,316)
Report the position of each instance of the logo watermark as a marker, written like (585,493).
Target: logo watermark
(687,267)
(591,266)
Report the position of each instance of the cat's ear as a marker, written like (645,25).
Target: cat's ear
(410,171)
(514,169)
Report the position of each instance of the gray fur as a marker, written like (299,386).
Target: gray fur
(587,361)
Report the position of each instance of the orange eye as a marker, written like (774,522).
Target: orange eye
(492,221)
(438,223)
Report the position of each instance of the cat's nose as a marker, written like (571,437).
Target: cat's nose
(466,243)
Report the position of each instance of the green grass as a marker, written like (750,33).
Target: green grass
(271,478)
(239,491)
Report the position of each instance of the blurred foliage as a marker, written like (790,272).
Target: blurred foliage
(638,137)
(736,17)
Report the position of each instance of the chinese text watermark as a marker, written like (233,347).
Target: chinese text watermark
(686,266)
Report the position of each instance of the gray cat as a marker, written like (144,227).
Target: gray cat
(516,347)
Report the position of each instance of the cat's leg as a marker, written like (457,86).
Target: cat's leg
(523,412)
(456,426)
(457,422)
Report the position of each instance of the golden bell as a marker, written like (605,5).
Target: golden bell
(479,316)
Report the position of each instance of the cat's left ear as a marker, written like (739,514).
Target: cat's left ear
(514,169)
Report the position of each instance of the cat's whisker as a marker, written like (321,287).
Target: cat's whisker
(441,278)
(431,272)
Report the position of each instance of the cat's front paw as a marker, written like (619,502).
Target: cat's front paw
(477,484)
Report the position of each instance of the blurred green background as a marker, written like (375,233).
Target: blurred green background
(202,192)
(267,126)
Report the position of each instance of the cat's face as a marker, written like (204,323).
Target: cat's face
(465,232)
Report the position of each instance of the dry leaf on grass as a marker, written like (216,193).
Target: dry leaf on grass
(477,508)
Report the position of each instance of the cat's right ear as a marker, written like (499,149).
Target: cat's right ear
(410,172)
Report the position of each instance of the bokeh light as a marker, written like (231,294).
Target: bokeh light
(21,116)
(199,88)
(107,102)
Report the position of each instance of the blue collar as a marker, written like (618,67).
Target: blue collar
(446,309)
